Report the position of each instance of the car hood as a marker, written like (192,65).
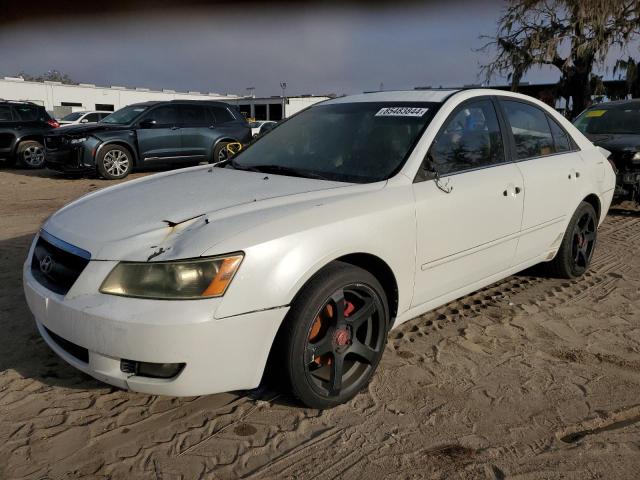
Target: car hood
(617,143)
(144,219)
(84,128)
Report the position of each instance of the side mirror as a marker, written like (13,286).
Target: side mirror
(148,123)
(84,120)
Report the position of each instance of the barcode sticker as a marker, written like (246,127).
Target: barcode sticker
(401,112)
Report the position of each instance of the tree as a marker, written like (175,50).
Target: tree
(51,75)
(631,70)
(570,35)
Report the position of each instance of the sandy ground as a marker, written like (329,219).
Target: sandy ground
(530,378)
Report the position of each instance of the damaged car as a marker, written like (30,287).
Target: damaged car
(175,133)
(615,126)
(305,249)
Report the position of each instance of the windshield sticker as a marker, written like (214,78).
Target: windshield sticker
(595,113)
(401,112)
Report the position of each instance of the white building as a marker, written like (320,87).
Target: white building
(270,108)
(60,99)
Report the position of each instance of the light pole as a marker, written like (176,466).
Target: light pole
(250,90)
(283,86)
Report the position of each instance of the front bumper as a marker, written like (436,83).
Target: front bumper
(220,354)
(67,160)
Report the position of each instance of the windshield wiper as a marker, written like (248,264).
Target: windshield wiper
(281,170)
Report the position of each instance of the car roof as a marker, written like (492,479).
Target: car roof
(151,103)
(436,95)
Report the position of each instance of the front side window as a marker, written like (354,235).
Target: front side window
(125,115)
(530,129)
(166,115)
(350,142)
(92,117)
(470,139)
(222,115)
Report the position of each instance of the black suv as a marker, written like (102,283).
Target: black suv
(615,126)
(151,133)
(22,129)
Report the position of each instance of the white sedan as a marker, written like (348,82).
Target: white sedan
(349,219)
(83,117)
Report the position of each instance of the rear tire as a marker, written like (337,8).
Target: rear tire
(334,335)
(114,162)
(30,154)
(578,244)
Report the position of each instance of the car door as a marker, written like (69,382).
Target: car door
(197,123)
(468,205)
(551,166)
(159,135)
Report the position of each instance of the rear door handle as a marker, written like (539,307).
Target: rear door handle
(518,190)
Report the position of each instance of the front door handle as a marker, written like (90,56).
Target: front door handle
(518,190)
(175,128)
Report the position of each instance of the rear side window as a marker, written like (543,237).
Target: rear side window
(560,137)
(5,113)
(470,139)
(29,113)
(92,117)
(530,129)
(222,115)
(195,115)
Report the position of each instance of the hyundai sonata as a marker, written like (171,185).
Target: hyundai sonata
(347,220)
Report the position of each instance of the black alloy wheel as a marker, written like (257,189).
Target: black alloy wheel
(578,244)
(334,335)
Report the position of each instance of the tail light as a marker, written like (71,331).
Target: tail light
(52,123)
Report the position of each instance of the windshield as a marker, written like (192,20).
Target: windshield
(348,142)
(73,116)
(612,120)
(125,115)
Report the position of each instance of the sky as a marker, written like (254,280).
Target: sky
(314,49)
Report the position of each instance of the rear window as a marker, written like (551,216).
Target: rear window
(619,119)
(29,113)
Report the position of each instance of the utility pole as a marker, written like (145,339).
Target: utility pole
(251,90)
(283,86)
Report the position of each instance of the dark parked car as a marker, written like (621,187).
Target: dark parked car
(176,132)
(22,129)
(615,126)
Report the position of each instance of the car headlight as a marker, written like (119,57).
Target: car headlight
(175,280)
(77,141)
(636,158)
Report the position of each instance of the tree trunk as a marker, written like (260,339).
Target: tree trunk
(576,85)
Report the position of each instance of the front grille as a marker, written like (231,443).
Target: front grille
(55,142)
(71,348)
(54,265)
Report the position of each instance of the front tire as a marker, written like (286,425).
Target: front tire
(579,242)
(334,335)
(220,152)
(30,154)
(114,162)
